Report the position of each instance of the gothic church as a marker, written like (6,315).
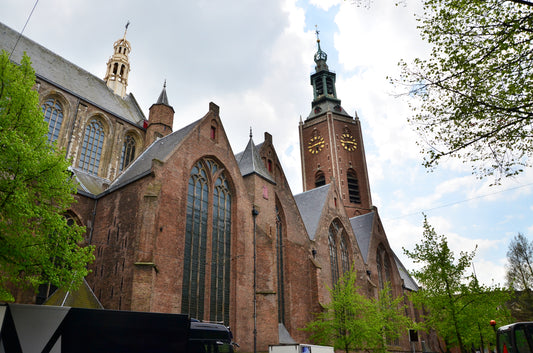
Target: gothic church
(181,224)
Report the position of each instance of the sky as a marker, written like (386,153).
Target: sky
(254,58)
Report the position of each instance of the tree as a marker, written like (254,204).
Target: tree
(475,91)
(352,322)
(520,276)
(36,244)
(456,306)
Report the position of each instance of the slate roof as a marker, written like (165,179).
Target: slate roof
(250,162)
(328,106)
(310,204)
(362,228)
(408,281)
(159,150)
(51,67)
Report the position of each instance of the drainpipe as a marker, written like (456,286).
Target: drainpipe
(254,215)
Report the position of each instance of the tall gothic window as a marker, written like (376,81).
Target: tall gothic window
(128,152)
(383,266)
(345,258)
(220,256)
(338,249)
(353,186)
(53,115)
(91,150)
(333,228)
(280,270)
(208,212)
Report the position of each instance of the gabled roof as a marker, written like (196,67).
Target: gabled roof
(362,228)
(408,281)
(250,162)
(311,203)
(159,150)
(51,67)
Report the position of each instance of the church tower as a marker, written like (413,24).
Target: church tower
(118,66)
(160,118)
(331,143)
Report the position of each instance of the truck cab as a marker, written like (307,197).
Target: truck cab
(515,338)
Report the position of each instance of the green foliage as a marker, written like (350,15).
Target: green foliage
(475,91)
(36,245)
(520,276)
(352,322)
(456,306)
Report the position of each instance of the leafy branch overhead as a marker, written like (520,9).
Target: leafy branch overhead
(474,94)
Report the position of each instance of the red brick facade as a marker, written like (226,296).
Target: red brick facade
(136,216)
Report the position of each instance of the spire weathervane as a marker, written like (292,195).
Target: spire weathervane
(127,25)
(320,55)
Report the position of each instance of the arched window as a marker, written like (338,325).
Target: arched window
(220,247)
(345,257)
(53,115)
(337,235)
(122,70)
(383,266)
(320,179)
(208,212)
(353,187)
(128,152)
(91,150)
(280,268)
(115,68)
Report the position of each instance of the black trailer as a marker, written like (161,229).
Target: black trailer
(41,328)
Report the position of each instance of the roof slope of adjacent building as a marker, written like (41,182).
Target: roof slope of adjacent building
(70,77)
(362,228)
(160,150)
(408,281)
(310,204)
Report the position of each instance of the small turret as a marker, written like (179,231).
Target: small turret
(160,118)
(118,66)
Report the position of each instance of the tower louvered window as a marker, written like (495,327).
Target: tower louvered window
(53,115)
(353,187)
(330,86)
(320,179)
(91,150)
(128,152)
(207,226)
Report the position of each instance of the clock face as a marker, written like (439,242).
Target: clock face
(316,144)
(348,142)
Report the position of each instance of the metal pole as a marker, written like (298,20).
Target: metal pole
(254,214)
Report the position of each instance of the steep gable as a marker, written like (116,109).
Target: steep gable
(311,203)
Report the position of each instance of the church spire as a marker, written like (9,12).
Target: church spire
(118,66)
(323,82)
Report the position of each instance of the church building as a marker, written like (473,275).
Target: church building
(182,224)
